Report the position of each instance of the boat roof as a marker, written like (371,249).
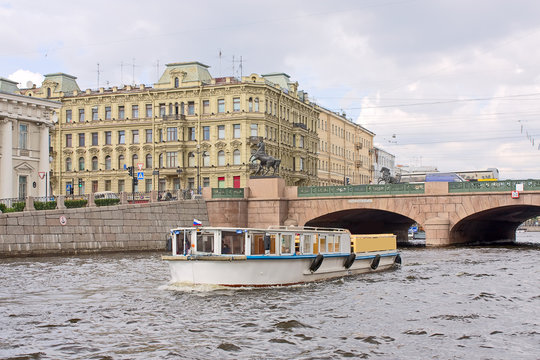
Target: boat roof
(272,228)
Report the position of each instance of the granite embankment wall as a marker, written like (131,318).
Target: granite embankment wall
(133,227)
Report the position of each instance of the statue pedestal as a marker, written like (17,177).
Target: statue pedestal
(267,187)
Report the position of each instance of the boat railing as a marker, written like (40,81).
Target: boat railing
(307,228)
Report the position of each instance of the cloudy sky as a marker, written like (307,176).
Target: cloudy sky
(447,83)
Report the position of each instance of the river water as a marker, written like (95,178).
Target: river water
(448,303)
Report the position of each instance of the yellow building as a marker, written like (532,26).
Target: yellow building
(190,130)
(344,150)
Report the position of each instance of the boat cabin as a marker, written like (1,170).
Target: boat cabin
(277,241)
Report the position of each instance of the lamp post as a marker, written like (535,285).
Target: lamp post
(198,169)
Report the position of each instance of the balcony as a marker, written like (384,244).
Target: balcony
(174,117)
(358,163)
(300,125)
(358,146)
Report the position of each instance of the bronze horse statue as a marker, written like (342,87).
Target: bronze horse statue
(386,178)
(265,163)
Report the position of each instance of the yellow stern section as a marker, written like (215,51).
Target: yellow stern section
(373,242)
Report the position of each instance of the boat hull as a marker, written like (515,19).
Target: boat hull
(264,270)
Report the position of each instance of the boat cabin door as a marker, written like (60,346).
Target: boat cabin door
(182,242)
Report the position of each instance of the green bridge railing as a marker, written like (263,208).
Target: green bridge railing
(355,190)
(485,186)
(390,189)
(227,193)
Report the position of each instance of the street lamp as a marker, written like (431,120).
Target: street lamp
(198,169)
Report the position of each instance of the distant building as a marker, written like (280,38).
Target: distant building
(344,150)
(24,142)
(382,158)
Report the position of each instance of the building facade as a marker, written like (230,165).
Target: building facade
(188,131)
(345,149)
(24,143)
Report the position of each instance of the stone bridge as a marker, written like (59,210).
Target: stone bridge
(450,213)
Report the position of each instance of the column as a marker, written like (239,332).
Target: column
(6,162)
(44,165)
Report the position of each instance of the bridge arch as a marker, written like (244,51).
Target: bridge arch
(492,225)
(366,221)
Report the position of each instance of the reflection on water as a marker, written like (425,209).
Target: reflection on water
(468,302)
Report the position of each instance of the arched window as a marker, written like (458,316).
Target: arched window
(48,92)
(206,158)
(236,157)
(94,163)
(191,159)
(107,162)
(182,108)
(256,104)
(221,158)
(121,162)
(176,82)
(160,160)
(175,108)
(81,163)
(148,161)
(170,109)
(68,164)
(134,159)
(250,104)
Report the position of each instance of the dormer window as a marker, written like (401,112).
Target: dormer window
(176,82)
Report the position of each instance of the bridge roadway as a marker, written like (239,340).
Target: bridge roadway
(450,213)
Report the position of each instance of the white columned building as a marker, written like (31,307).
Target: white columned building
(24,142)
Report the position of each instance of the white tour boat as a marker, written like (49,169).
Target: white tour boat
(275,256)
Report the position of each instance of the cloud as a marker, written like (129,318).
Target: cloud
(26,78)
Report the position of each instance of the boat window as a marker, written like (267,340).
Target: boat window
(308,244)
(272,245)
(322,243)
(286,242)
(205,242)
(297,244)
(257,244)
(330,243)
(232,242)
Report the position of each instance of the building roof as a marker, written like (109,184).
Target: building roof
(8,86)
(186,72)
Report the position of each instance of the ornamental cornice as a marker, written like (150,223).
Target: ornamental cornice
(49,83)
(107,150)
(220,145)
(93,151)
(148,147)
(206,146)
(236,143)
(67,151)
(134,148)
(120,149)
(81,151)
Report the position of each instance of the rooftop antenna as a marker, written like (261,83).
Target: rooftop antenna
(133,74)
(98,75)
(241,68)
(220,73)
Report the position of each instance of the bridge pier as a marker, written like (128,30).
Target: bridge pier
(437,231)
